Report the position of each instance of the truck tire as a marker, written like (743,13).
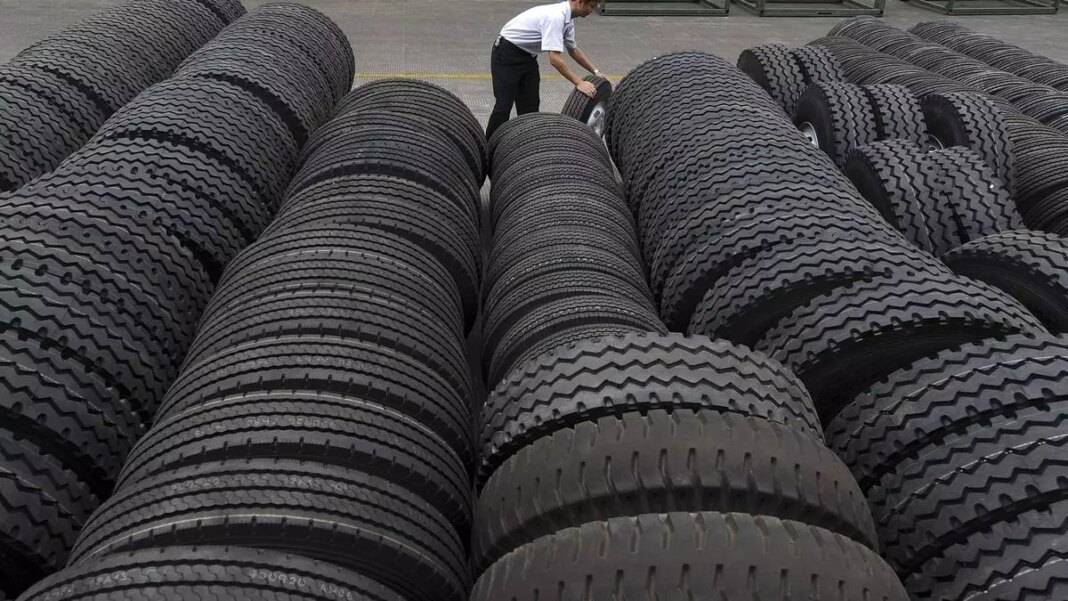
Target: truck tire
(973,121)
(293,506)
(754,296)
(1032,267)
(591,111)
(666,460)
(898,113)
(609,376)
(238,573)
(836,117)
(975,428)
(774,68)
(614,558)
(889,175)
(840,344)
(965,200)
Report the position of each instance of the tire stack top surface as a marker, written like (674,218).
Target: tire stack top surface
(110,260)
(317,443)
(611,450)
(56,93)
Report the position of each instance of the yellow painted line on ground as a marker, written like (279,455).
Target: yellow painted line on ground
(482,76)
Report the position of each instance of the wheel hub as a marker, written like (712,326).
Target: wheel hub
(596,119)
(810,132)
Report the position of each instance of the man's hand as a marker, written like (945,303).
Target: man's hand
(587,88)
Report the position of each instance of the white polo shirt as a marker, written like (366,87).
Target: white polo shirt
(546,28)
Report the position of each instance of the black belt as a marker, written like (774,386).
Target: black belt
(503,41)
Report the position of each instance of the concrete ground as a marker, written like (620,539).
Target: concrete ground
(448,41)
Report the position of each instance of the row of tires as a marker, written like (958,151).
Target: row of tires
(959,454)
(317,443)
(946,195)
(1038,182)
(1046,104)
(864,65)
(564,262)
(55,94)
(994,52)
(840,117)
(939,199)
(938,168)
(808,272)
(110,260)
(951,493)
(610,449)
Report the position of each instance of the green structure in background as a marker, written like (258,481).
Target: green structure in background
(817,8)
(990,7)
(665,8)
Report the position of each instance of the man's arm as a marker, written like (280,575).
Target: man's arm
(556,59)
(581,58)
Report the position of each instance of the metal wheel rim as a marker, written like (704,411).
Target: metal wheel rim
(810,133)
(596,118)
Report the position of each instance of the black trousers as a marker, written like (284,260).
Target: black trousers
(516,81)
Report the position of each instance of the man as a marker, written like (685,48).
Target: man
(514,63)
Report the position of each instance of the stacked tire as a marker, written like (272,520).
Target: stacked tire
(841,117)
(994,52)
(756,237)
(55,94)
(938,199)
(1042,182)
(893,147)
(864,65)
(785,73)
(958,451)
(564,263)
(1039,176)
(109,262)
(1046,104)
(318,441)
(407,100)
(701,462)
(1030,266)
(808,83)
(611,450)
(960,455)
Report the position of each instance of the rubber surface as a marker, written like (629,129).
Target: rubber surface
(581,106)
(187,573)
(690,554)
(958,453)
(839,344)
(1030,266)
(666,460)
